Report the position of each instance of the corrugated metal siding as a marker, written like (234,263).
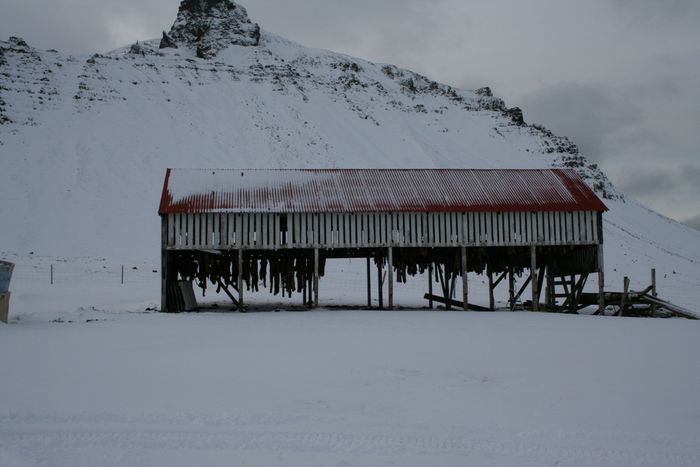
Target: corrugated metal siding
(375,190)
(272,231)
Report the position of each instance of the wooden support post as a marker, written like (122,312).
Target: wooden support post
(369,284)
(572,298)
(547,288)
(465,285)
(533,277)
(540,282)
(511,289)
(5,307)
(52,272)
(315,277)
(430,284)
(380,283)
(445,283)
(163,266)
(492,299)
(601,281)
(303,293)
(391,278)
(122,274)
(309,283)
(552,291)
(240,280)
(653,290)
(623,301)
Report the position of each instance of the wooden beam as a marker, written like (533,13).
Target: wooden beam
(369,284)
(548,288)
(653,290)
(391,278)
(315,277)
(228,292)
(380,283)
(572,298)
(430,284)
(601,281)
(511,289)
(309,291)
(303,293)
(520,292)
(492,300)
(500,278)
(240,280)
(445,284)
(680,311)
(163,266)
(533,277)
(540,280)
(455,303)
(580,285)
(465,284)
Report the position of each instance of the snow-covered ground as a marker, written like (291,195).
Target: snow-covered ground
(90,377)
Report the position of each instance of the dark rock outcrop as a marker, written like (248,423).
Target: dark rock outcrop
(516,115)
(167,42)
(18,41)
(485,91)
(209,26)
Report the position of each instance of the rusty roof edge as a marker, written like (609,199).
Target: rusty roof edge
(575,182)
(165,200)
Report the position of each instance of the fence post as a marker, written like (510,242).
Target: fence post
(122,274)
(52,274)
(653,290)
(623,302)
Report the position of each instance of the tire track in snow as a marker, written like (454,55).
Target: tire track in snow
(59,437)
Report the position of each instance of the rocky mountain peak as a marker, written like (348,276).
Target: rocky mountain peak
(211,25)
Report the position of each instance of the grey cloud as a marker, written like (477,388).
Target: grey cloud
(645,182)
(658,13)
(672,190)
(403,32)
(78,26)
(592,115)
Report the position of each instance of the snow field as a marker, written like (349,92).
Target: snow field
(91,378)
(349,388)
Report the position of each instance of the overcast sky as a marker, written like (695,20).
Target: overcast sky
(621,78)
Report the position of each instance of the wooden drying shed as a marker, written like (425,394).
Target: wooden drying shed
(238,228)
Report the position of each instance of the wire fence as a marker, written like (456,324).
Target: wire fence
(60,272)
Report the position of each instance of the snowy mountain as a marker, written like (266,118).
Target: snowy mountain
(85,140)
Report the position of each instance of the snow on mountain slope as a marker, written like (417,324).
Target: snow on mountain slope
(84,141)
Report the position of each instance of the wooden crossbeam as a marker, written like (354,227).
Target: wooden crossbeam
(577,294)
(520,292)
(455,303)
(228,292)
(500,278)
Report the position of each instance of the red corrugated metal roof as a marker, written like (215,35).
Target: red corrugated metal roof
(375,190)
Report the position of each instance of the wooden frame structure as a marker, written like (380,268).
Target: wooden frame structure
(495,221)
